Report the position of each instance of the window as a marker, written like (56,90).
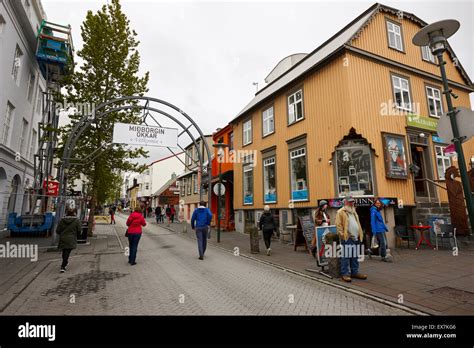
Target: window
(16,64)
(354,169)
(31,86)
(231,141)
(188,188)
(427,55)
(248,184)
(269,180)
(247,133)
(295,107)
(183,187)
(394,36)
(7,124)
(39,101)
(401,89)
(443,161)
(33,144)
(299,186)
(189,156)
(23,136)
(195,183)
(2,24)
(268,122)
(434,101)
(196,151)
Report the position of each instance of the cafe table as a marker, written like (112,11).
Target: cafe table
(423,229)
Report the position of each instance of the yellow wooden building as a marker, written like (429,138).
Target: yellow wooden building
(357,115)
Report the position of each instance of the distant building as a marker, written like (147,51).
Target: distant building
(168,194)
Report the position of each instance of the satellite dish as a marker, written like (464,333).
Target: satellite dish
(445,28)
(464,120)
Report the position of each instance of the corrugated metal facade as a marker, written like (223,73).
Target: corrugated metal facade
(348,92)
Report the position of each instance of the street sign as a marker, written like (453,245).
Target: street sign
(135,134)
(216,189)
(464,120)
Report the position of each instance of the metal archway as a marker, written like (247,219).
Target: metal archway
(146,105)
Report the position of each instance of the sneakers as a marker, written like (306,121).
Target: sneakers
(63,269)
(269,251)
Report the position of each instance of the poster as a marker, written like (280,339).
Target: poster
(321,231)
(395,156)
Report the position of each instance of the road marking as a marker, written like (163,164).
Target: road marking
(118,238)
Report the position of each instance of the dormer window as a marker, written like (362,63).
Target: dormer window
(395,39)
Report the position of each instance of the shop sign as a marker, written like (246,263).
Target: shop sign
(417,121)
(362,201)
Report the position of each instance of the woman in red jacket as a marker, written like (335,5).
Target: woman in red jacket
(135,222)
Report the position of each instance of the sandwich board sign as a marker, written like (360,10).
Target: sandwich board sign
(142,135)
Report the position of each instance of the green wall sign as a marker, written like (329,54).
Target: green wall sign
(417,121)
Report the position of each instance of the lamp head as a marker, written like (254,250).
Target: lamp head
(435,35)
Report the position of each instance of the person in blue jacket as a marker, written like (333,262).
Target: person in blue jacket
(379,228)
(200,221)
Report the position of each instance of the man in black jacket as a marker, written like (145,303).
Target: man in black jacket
(267,224)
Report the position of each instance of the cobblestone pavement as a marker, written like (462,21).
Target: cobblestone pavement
(170,280)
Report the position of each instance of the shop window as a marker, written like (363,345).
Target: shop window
(248,184)
(269,180)
(443,161)
(299,186)
(354,169)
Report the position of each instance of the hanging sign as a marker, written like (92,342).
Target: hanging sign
(134,134)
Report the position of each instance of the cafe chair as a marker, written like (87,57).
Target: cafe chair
(446,231)
(401,232)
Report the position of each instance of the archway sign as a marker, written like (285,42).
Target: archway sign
(160,124)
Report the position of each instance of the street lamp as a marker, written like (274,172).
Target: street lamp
(435,36)
(220,154)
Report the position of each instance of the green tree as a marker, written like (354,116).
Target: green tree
(110,65)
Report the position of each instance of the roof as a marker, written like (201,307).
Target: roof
(165,186)
(165,158)
(330,48)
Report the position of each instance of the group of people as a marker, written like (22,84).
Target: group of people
(347,224)
(161,212)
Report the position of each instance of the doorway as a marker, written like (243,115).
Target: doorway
(417,157)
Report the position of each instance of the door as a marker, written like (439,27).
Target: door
(417,157)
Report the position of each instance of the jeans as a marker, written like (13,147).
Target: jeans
(351,262)
(267,237)
(201,235)
(66,253)
(382,239)
(133,239)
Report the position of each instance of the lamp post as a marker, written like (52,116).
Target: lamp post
(434,36)
(220,154)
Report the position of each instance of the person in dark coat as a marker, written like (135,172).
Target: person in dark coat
(267,225)
(68,229)
(112,215)
(158,214)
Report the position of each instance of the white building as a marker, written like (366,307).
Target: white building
(21,95)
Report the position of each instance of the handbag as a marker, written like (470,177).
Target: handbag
(126,233)
(375,243)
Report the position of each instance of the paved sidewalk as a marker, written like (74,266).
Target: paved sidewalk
(167,280)
(435,282)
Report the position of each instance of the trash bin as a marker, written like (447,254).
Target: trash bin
(82,236)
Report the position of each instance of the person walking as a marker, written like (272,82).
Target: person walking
(158,214)
(68,229)
(173,213)
(135,222)
(321,218)
(350,234)
(112,215)
(267,225)
(168,214)
(378,228)
(200,221)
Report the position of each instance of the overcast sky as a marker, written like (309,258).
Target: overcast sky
(204,56)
